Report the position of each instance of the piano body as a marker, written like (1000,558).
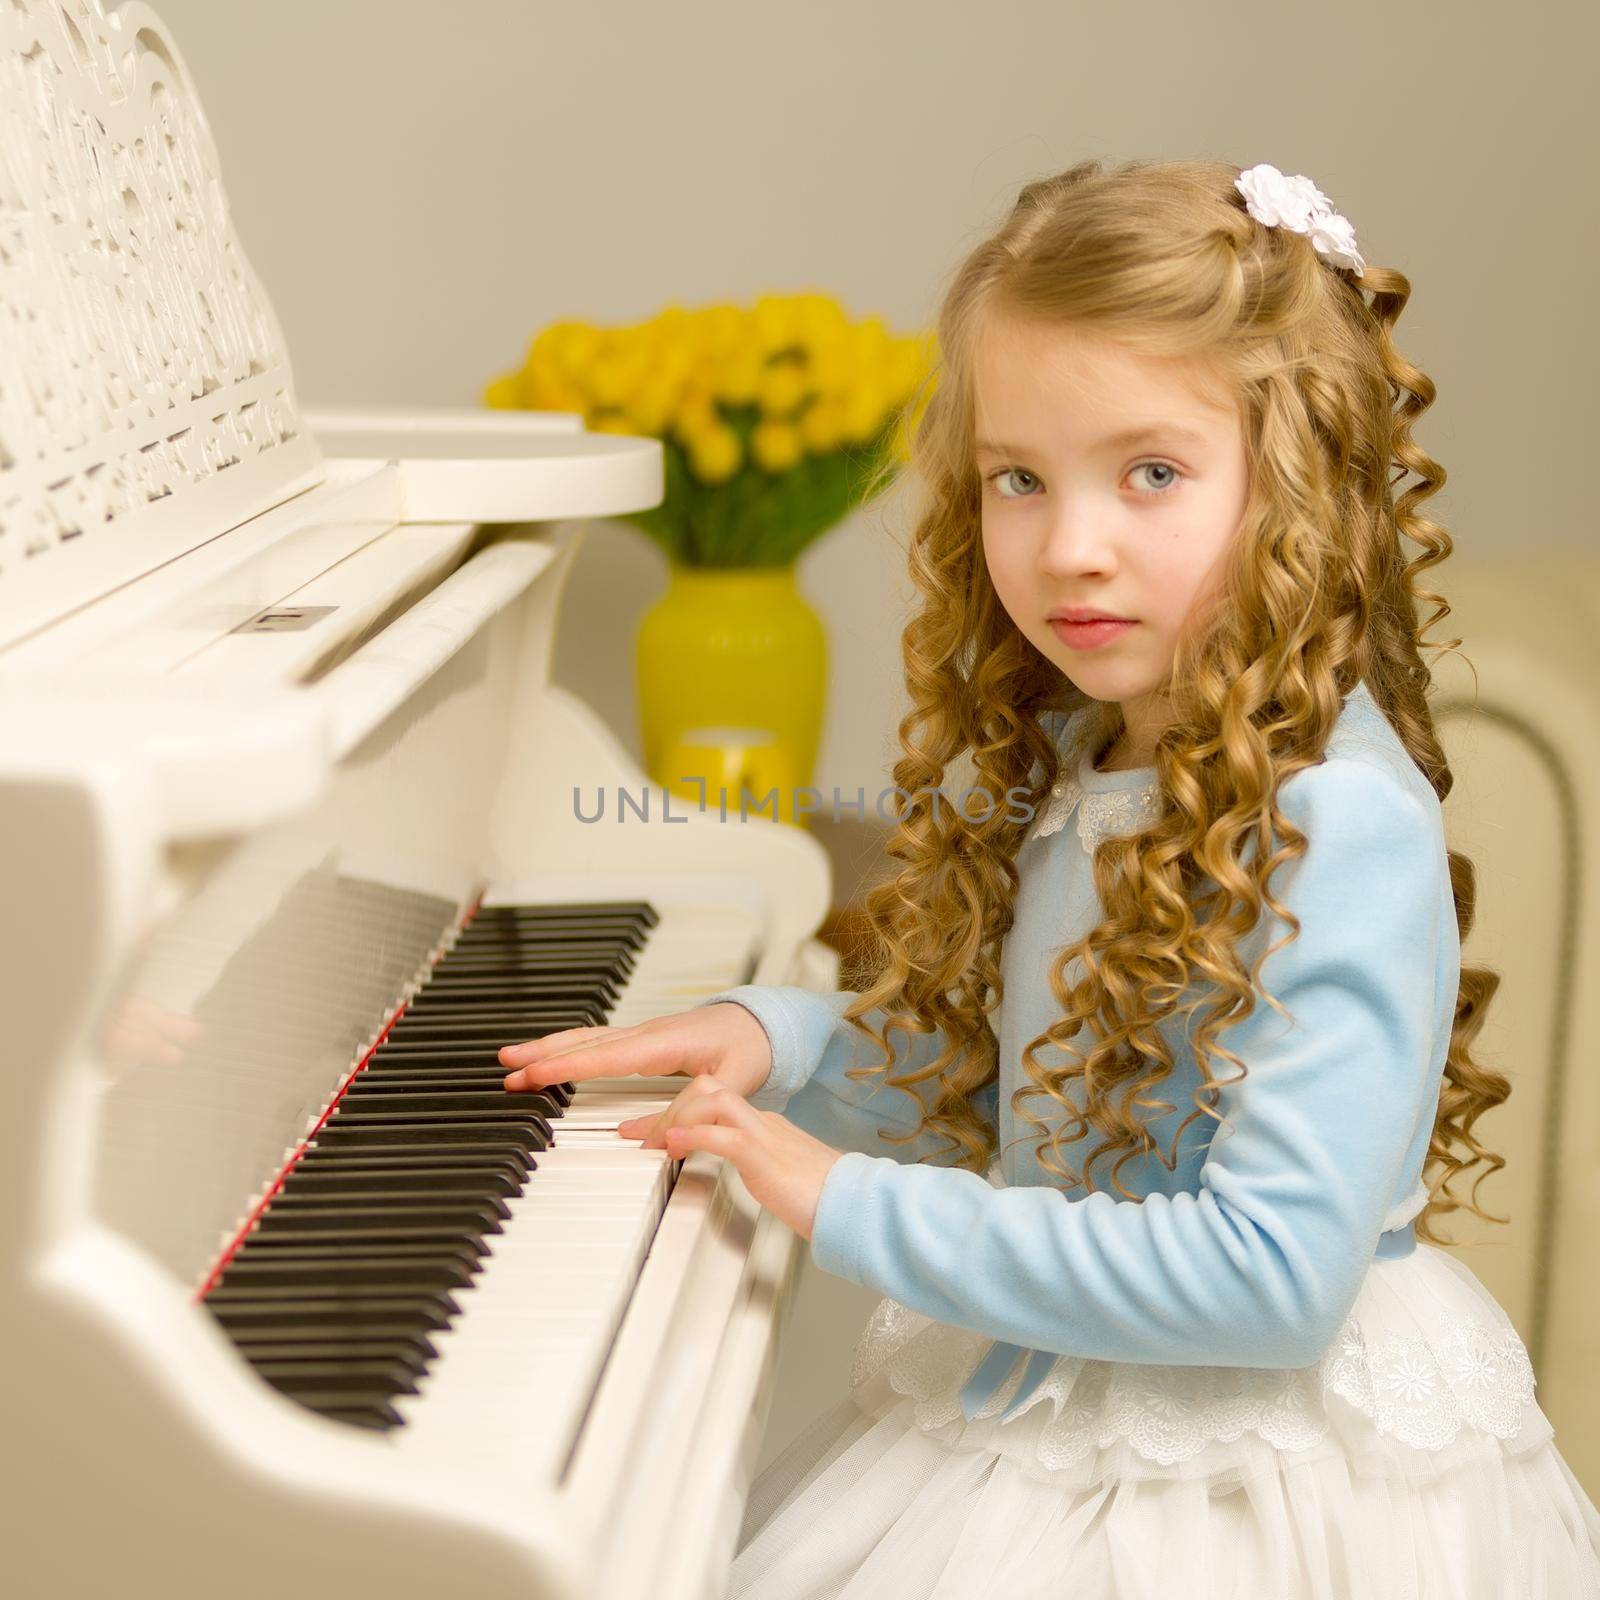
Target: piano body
(295,830)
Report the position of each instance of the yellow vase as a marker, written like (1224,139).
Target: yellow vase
(732,672)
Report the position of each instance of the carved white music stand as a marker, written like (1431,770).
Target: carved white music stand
(146,398)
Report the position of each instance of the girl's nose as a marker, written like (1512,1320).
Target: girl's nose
(1077,548)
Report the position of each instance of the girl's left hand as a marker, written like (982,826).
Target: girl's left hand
(783,1167)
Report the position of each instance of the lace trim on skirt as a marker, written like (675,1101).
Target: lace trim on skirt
(1427,1370)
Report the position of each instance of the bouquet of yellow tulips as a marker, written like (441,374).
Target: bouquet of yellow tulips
(776,419)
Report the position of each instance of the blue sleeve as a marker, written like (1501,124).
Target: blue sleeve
(1261,1266)
(813,1046)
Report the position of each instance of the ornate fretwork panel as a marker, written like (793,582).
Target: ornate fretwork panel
(146,400)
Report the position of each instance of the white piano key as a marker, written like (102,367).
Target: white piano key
(514,1372)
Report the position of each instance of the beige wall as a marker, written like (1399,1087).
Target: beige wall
(421,186)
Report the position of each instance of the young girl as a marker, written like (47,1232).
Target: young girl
(1169,395)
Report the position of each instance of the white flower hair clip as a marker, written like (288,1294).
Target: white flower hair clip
(1297,203)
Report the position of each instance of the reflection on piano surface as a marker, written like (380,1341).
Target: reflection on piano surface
(301,1300)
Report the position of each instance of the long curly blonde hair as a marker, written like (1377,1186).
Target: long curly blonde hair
(1316,597)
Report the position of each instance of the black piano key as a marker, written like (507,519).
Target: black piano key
(619,921)
(337,1351)
(462,1053)
(452,996)
(514,1165)
(508,1109)
(570,932)
(510,1005)
(506,1006)
(483,1211)
(275,1237)
(477,1052)
(363,1379)
(399,1277)
(455,986)
(499,989)
(533,963)
(437,1058)
(299,1217)
(479,931)
(480,1080)
(587,963)
(421,1149)
(472,1022)
(582,959)
(640,912)
(518,969)
(485,1079)
(286,1294)
(402,1314)
(360,1248)
(495,990)
(439,1240)
(378,1417)
(643,911)
(492,1033)
(601,925)
(511,1120)
(458,1040)
(380,1080)
(337,1339)
(337,1133)
(441,1062)
(391,1089)
(525,964)
(622,926)
(390,1101)
(456,1204)
(508,1021)
(484,1181)
(508,996)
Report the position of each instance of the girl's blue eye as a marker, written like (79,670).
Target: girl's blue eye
(1160,466)
(1006,472)
(1149,494)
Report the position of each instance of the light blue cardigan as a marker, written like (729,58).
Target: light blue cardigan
(1251,1251)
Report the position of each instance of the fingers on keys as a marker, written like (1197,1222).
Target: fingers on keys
(571,1054)
(520,1055)
(703,1101)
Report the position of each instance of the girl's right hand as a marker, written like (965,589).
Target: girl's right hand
(723,1042)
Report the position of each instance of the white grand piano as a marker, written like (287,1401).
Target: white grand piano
(291,839)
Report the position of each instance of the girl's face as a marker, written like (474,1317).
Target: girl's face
(1080,513)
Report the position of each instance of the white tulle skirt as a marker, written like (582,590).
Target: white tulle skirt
(1412,1461)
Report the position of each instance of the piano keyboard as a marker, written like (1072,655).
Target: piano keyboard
(442,1258)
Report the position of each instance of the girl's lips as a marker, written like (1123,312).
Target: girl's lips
(1088,635)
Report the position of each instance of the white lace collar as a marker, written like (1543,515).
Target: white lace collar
(1120,803)
(1106,803)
